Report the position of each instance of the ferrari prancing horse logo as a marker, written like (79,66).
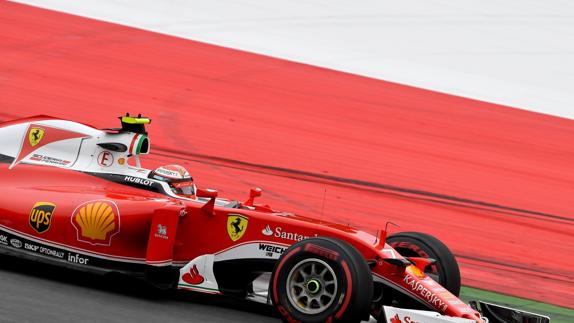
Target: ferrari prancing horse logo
(35,136)
(236,226)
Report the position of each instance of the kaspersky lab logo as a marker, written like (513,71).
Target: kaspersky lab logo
(40,217)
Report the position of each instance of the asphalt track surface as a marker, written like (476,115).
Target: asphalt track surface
(493,182)
(33,292)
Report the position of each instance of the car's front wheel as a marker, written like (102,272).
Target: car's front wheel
(322,280)
(416,244)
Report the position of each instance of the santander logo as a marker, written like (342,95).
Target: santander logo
(267,231)
(406,319)
(193,277)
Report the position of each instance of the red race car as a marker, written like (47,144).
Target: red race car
(77,196)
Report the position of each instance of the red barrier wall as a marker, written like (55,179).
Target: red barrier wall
(494,183)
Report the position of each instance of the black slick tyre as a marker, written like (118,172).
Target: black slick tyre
(322,280)
(415,244)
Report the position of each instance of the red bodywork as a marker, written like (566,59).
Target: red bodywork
(197,230)
(95,223)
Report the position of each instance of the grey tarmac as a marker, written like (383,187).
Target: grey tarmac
(34,292)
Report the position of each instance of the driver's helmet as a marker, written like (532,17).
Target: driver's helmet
(177,177)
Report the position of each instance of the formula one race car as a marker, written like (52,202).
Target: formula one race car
(77,196)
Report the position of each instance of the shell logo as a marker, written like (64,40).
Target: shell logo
(96,222)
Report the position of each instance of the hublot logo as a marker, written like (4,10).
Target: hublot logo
(138,180)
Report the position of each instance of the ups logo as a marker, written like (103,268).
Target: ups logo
(41,216)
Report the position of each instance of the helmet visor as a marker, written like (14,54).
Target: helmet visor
(184,188)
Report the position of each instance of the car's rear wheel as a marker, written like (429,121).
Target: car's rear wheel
(321,280)
(415,244)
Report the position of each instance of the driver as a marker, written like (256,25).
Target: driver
(177,177)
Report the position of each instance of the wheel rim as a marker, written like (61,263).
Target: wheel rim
(312,286)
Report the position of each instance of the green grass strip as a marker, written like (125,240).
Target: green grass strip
(557,314)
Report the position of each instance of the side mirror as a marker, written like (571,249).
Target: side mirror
(211,194)
(206,192)
(255,192)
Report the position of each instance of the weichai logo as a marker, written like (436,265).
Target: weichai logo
(40,217)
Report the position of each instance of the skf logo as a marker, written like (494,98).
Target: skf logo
(236,226)
(35,135)
(41,216)
(96,222)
